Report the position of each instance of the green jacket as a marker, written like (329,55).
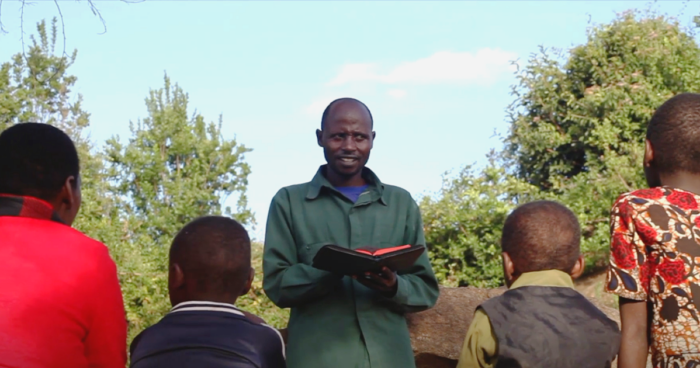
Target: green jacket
(337,322)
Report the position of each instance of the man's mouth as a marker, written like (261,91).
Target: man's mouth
(348,160)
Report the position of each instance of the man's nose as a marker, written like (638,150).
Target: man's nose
(349,144)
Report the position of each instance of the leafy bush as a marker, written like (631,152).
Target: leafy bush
(577,131)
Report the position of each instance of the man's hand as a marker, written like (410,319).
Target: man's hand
(383,281)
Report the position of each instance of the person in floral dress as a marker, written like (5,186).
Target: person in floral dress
(655,245)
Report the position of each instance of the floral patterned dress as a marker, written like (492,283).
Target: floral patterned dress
(655,256)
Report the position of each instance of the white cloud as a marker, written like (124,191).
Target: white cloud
(397,93)
(316,107)
(482,67)
(354,72)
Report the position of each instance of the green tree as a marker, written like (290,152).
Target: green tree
(175,167)
(463,224)
(185,162)
(36,86)
(577,128)
(589,113)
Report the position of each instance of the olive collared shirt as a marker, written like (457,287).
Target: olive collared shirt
(336,321)
(480,349)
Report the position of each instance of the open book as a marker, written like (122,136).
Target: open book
(367,259)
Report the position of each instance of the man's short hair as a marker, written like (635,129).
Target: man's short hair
(327,111)
(674,133)
(542,235)
(214,251)
(35,160)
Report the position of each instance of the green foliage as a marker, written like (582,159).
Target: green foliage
(35,87)
(172,170)
(588,115)
(577,130)
(256,301)
(463,225)
(577,126)
(177,168)
(136,196)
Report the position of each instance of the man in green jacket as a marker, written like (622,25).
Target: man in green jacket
(337,321)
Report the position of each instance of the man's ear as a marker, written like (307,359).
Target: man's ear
(579,267)
(249,283)
(176,277)
(508,269)
(648,153)
(319,136)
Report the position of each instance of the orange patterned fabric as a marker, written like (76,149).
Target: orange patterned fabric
(655,256)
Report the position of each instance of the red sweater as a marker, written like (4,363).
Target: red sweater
(60,301)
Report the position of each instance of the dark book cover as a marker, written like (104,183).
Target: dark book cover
(346,261)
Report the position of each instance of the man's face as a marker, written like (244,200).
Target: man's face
(347,138)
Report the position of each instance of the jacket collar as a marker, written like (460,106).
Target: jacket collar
(544,278)
(319,182)
(25,206)
(196,305)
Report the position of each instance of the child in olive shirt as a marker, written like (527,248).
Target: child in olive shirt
(541,321)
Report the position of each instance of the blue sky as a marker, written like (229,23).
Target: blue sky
(436,75)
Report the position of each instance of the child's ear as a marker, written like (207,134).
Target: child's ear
(579,266)
(651,173)
(68,201)
(508,269)
(648,153)
(249,283)
(176,278)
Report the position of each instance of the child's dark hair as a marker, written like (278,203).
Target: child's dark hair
(215,251)
(674,133)
(35,160)
(542,235)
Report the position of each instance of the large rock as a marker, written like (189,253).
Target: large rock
(438,333)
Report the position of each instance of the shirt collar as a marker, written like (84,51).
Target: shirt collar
(200,305)
(319,181)
(25,206)
(544,278)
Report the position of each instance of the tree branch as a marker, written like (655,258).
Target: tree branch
(629,189)
(97,13)
(63,28)
(21,29)
(2,27)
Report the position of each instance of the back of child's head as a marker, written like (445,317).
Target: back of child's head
(542,235)
(674,133)
(213,253)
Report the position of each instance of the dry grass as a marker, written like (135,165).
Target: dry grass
(592,286)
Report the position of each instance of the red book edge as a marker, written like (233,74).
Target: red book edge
(382,251)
